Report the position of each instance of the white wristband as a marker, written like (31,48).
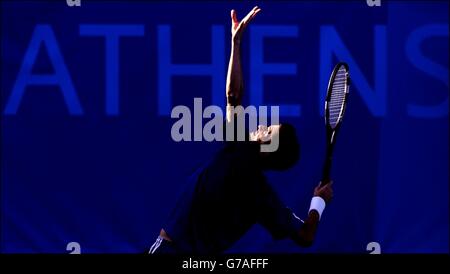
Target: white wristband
(317,203)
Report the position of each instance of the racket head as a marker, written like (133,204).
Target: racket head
(337,95)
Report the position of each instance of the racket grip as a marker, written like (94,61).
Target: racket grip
(326,170)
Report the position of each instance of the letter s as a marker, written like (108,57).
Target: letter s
(426,65)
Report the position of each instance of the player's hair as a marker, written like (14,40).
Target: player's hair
(288,152)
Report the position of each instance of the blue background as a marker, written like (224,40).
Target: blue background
(79,164)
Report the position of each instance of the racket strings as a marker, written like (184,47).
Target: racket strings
(337,98)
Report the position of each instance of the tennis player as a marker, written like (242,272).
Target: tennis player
(230,193)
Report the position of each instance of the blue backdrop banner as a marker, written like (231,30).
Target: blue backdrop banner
(88,162)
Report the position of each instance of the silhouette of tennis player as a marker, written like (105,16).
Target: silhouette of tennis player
(230,193)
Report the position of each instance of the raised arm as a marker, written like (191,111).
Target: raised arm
(234,88)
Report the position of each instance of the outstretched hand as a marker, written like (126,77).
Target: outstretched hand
(237,28)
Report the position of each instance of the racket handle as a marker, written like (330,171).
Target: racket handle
(326,170)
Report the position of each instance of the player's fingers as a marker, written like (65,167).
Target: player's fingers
(234,16)
(249,15)
(326,184)
(254,14)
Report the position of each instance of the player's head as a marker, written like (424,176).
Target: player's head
(288,151)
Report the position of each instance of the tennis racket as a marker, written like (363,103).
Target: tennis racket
(335,103)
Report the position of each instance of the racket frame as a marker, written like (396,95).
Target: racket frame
(332,132)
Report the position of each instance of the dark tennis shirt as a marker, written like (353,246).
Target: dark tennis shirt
(223,199)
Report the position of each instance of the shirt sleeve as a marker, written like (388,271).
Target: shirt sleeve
(273,215)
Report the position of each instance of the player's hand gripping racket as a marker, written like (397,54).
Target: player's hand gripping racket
(335,103)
